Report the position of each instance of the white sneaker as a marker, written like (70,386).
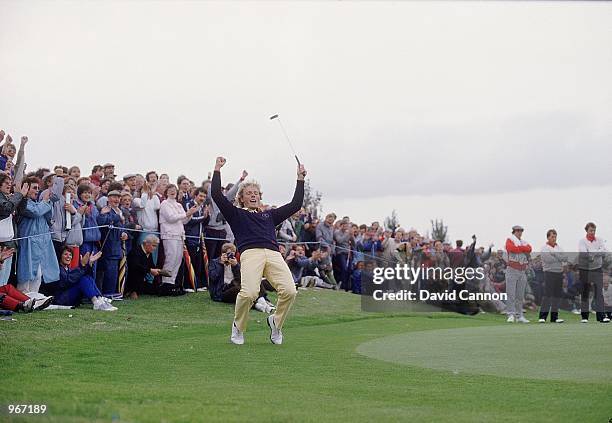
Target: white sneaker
(542,321)
(276,335)
(202,289)
(237,335)
(575,311)
(510,318)
(522,320)
(604,320)
(28,305)
(189,290)
(584,321)
(104,306)
(559,321)
(43,303)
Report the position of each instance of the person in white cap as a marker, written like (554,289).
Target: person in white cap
(516,277)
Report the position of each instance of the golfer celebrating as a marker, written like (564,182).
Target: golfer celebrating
(255,234)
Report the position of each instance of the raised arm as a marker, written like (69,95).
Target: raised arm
(225,206)
(231,193)
(20,163)
(284,212)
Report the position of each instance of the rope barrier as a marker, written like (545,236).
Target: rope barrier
(111,227)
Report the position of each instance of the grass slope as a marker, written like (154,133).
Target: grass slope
(169,360)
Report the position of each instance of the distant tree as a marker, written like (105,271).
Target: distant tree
(312,199)
(438,230)
(392,222)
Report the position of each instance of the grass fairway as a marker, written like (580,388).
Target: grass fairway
(169,359)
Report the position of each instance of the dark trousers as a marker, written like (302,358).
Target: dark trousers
(213,246)
(197,261)
(109,268)
(230,291)
(85,287)
(342,266)
(592,278)
(553,290)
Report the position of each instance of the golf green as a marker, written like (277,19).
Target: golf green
(573,352)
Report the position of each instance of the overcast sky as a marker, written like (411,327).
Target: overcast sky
(434,109)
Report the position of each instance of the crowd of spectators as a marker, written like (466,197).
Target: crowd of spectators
(67,237)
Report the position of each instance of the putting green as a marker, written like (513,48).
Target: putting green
(575,352)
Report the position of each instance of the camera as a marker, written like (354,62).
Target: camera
(230,255)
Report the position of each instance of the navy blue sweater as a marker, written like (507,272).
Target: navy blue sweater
(255,230)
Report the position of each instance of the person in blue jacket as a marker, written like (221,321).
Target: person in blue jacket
(78,283)
(37,259)
(91,232)
(111,244)
(194,231)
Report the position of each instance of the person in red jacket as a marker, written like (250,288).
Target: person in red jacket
(516,277)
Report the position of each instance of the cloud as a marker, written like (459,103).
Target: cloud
(545,150)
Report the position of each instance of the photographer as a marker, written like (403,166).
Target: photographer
(224,272)
(225,280)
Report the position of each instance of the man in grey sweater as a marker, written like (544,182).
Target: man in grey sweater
(325,232)
(217,226)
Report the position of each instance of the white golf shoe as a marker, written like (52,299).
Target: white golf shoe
(276,335)
(237,335)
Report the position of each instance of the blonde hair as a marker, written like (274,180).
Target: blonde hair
(245,185)
(228,246)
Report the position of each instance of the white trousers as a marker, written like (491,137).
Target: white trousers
(33,285)
(173,252)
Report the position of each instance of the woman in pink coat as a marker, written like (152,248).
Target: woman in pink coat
(172,217)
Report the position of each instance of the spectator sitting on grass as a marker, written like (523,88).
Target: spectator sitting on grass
(302,268)
(74,284)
